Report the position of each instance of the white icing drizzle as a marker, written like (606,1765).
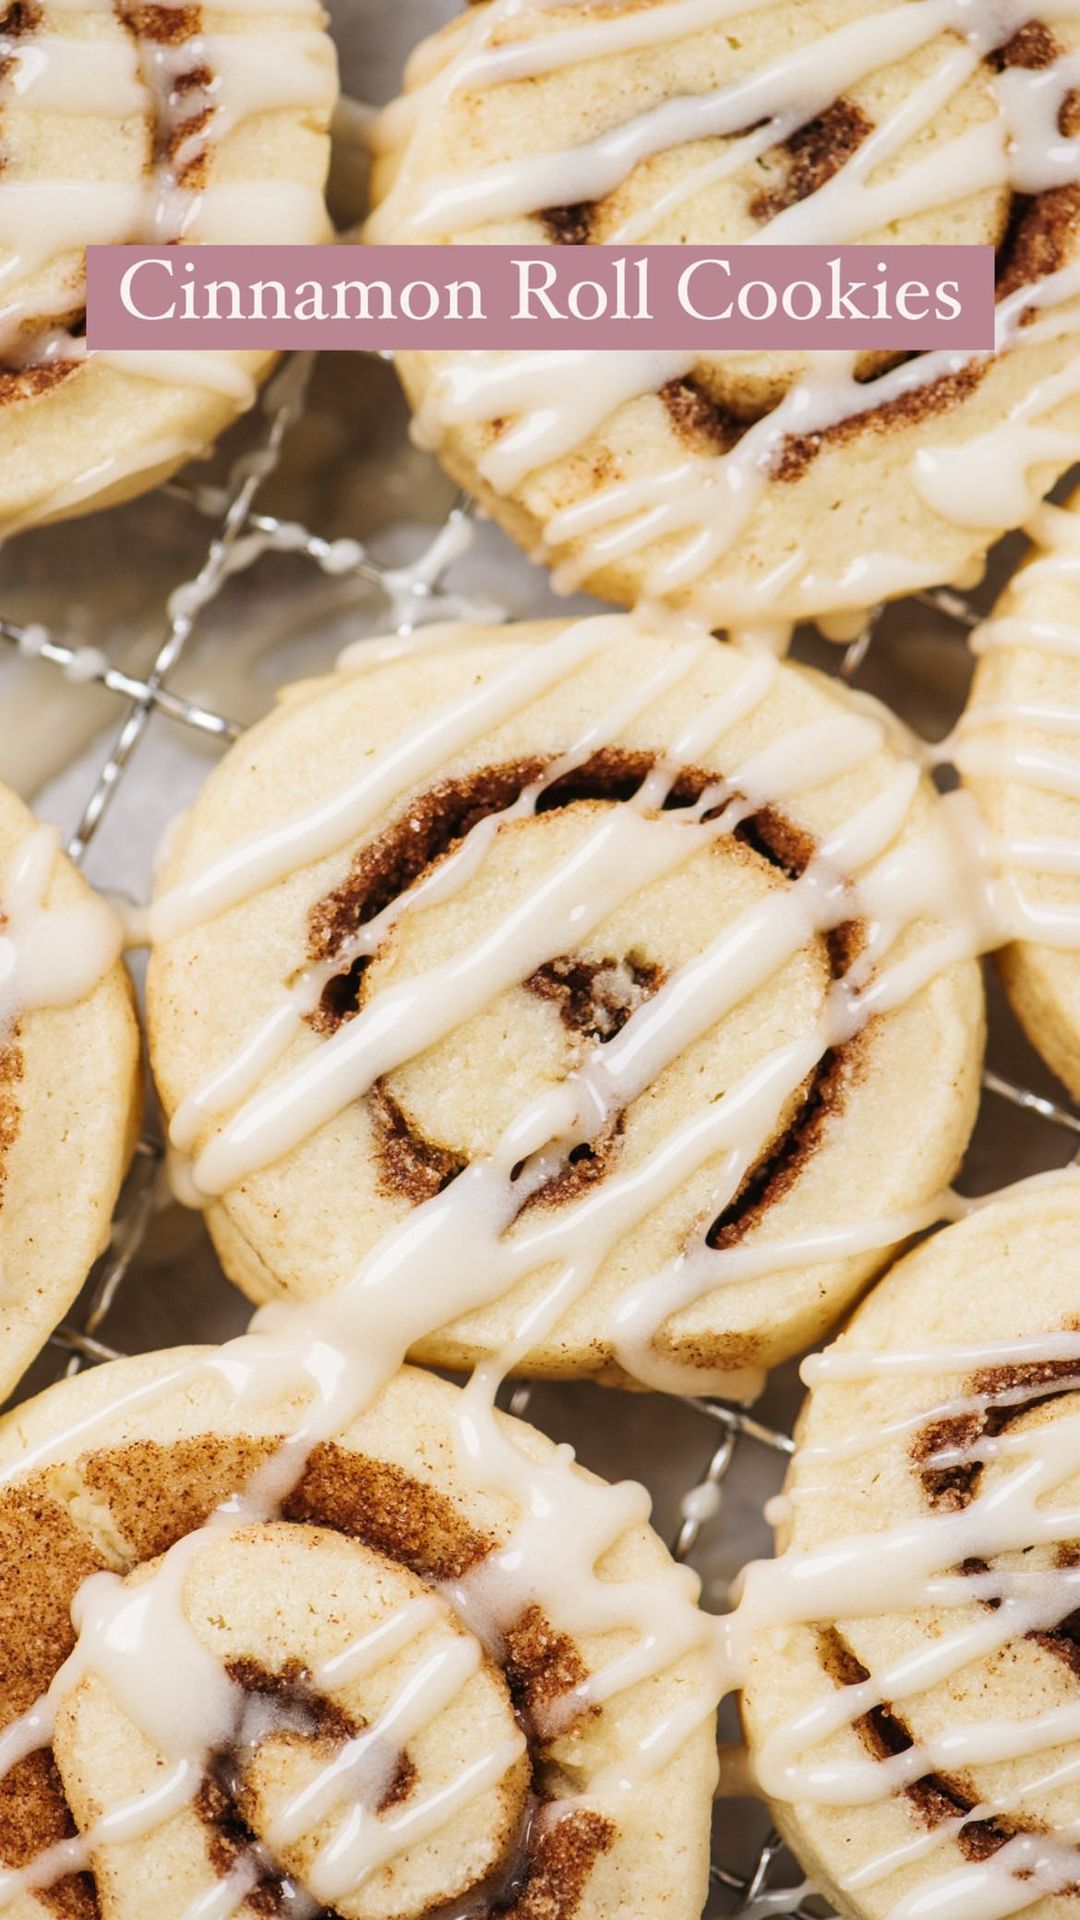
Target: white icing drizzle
(553,401)
(50,956)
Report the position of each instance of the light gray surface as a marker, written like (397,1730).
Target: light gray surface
(348,471)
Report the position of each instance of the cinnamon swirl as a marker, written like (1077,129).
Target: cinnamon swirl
(69,1083)
(1018,747)
(139,124)
(353,1680)
(751,488)
(587,987)
(910,1659)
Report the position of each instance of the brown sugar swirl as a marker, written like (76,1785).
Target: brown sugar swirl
(340,1709)
(592,995)
(576,996)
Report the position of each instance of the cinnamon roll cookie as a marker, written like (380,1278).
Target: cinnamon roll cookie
(359,1678)
(751,487)
(69,1083)
(147,125)
(586,985)
(910,1659)
(1018,747)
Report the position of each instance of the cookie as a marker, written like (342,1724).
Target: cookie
(582,985)
(391,1692)
(1018,748)
(70,1083)
(909,1660)
(140,125)
(749,488)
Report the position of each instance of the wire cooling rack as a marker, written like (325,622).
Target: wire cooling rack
(134,648)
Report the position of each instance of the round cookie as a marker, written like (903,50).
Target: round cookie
(582,985)
(748,487)
(70,1083)
(140,125)
(348,1699)
(909,1660)
(1018,748)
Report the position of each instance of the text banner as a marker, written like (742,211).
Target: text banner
(504,298)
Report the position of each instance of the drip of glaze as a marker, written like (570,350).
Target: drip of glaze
(49,956)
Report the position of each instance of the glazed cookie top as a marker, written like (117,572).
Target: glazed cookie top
(603,958)
(910,1658)
(750,487)
(139,124)
(359,1651)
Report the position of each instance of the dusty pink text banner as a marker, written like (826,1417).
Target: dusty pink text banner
(673,298)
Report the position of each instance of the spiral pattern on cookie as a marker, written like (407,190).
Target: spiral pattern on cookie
(601,960)
(752,488)
(910,1659)
(138,124)
(70,1087)
(354,1698)
(1017,748)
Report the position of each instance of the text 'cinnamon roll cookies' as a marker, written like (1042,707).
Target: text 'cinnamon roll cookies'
(910,1659)
(582,992)
(751,486)
(1018,748)
(70,1087)
(376,1684)
(147,125)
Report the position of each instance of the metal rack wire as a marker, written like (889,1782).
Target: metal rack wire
(240,534)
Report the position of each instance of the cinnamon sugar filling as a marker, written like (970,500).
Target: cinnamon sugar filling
(159,1493)
(951,1488)
(813,155)
(23,16)
(936,1798)
(593,998)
